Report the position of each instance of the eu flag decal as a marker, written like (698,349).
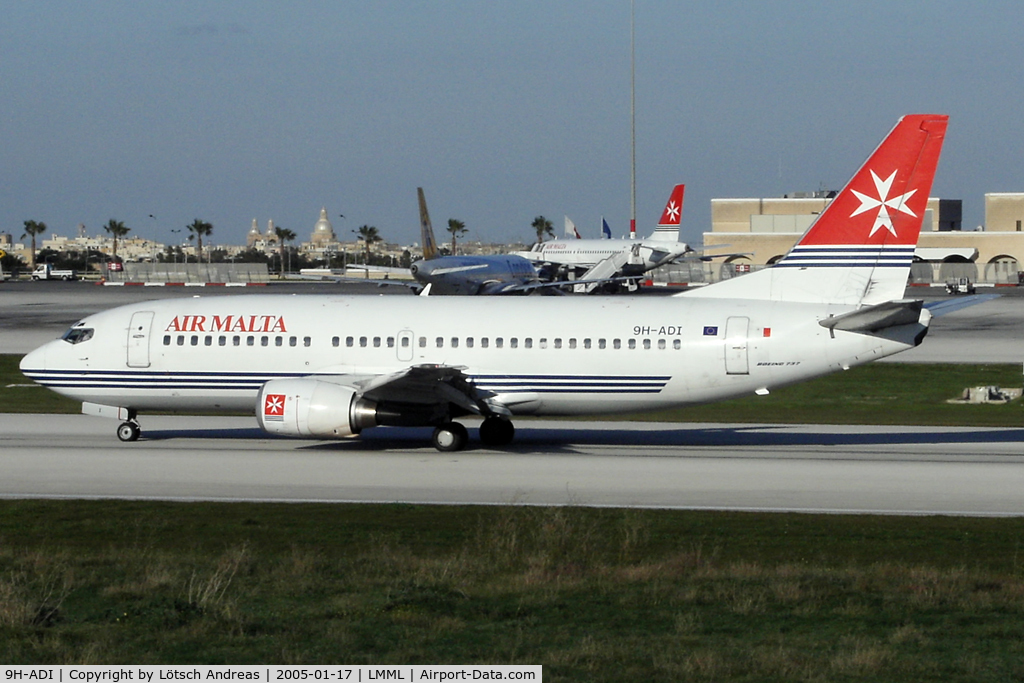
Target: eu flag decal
(710,330)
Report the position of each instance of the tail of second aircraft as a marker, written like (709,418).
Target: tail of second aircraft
(426,229)
(667,229)
(860,248)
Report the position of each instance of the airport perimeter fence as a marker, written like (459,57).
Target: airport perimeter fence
(192,273)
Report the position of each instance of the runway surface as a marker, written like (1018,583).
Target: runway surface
(891,470)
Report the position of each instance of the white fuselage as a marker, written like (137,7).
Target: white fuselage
(644,253)
(536,355)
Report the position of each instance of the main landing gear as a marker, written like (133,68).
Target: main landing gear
(452,436)
(449,437)
(129,431)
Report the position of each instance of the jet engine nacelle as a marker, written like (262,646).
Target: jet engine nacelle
(309,407)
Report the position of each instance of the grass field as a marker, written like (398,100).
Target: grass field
(593,595)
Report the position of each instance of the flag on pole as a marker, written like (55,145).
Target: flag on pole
(570,229)
(606,232)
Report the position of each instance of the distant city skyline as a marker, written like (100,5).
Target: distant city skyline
(231,111)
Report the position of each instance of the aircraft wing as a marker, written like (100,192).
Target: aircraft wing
(425,385)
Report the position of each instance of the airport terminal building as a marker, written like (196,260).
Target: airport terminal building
(763,230)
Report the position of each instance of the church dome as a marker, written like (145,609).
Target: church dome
(323,231)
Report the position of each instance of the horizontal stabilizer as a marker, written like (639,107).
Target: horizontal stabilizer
(941,308)
(877,317)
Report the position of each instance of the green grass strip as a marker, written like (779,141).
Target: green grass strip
(593,595)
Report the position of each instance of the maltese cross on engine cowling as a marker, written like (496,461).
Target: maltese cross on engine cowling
(883,204)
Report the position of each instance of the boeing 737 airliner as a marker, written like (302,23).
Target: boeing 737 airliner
(329,367)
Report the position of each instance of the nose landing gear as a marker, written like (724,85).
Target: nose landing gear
(129,431)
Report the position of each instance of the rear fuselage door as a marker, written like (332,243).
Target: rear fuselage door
(736,330)
(138,339)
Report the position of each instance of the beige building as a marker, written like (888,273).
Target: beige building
(763,230)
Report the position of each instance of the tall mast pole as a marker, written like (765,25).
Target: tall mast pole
(632,120)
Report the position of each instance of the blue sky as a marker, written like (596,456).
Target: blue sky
(229,111)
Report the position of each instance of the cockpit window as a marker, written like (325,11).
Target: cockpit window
(77,335)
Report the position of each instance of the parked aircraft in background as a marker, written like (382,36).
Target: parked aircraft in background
(328,367)
(584,259)
(474,275)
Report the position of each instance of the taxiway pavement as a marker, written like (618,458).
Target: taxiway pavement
(857,469)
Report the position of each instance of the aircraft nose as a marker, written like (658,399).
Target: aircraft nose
(34,360)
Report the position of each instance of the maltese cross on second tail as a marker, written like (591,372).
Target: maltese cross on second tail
(883,219)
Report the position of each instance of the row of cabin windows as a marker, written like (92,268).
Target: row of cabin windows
(439,342)
(236,340)
(499,343)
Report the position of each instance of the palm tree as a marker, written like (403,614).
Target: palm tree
(198,230)
(543,227)
(117,229)
(283,235)
(368,234)
(457,229)
(34,228)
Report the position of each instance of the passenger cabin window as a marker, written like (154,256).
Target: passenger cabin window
(222,340)
(264,340)
(455,342)
(307,341)
(586,343)
(181,340)
(601,344)
(469,342)
(677,344)
(350,341)
(484,342)
(250,340)
(528,342)
(236,340)
(167,340)
(362,342)
(440,342)
(423,342)
(293,341)
(194,340)
(376,342)
(336,341)
(499,342)
(513,342)
(208,340)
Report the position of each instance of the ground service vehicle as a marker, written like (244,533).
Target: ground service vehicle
(45,271)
